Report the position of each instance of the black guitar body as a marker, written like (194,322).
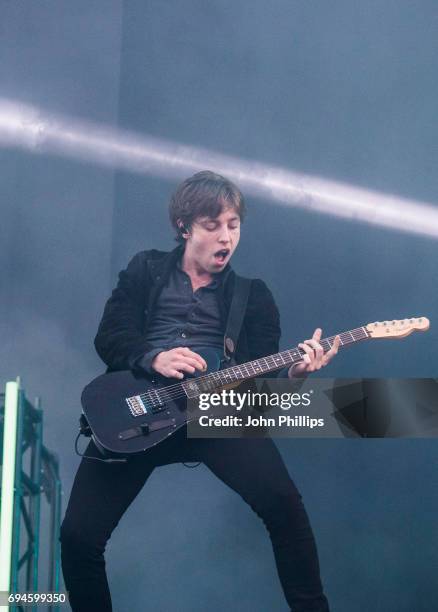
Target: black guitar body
(129,415)
(126,427)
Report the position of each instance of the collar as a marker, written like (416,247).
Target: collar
(162,267)
(217,279)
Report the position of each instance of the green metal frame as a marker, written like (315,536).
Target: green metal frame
(22,426)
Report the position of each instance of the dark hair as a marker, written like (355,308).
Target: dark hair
(205,194)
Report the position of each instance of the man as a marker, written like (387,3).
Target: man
(165,307)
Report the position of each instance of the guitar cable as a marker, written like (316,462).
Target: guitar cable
(95,458)
(117,460)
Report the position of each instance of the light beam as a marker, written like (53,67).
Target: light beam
(29,128)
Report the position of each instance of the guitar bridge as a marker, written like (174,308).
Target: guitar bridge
(136,405)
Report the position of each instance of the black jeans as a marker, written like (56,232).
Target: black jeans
(252,467)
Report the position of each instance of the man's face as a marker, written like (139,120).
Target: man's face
(211,242)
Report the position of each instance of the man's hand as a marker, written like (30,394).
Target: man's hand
(314,357)
(175,362)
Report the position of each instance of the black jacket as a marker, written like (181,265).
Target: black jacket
(120,339)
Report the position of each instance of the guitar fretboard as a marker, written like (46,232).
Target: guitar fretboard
(263,365)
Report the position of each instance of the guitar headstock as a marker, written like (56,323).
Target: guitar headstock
(397,329)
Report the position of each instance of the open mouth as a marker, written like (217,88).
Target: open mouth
(220,256)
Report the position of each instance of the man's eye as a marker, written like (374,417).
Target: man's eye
(210,227)
(233,227)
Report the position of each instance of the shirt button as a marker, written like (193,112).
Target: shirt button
(183,335)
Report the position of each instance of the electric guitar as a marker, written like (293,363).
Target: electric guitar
(129,414)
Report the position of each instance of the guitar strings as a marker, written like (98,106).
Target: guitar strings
(177,391)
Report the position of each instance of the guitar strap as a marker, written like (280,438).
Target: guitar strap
(235,316)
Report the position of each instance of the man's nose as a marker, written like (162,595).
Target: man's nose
(224,235)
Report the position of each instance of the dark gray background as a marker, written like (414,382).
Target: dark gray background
(344,90)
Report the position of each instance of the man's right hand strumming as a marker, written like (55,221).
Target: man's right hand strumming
(175,362)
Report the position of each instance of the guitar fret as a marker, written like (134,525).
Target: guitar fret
(257,367)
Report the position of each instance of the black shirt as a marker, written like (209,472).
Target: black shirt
(183,317)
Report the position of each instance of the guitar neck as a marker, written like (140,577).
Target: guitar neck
(263,365)
(285,359)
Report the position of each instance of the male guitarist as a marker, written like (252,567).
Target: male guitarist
(165,308)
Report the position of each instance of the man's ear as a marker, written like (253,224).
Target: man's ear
(183,229)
